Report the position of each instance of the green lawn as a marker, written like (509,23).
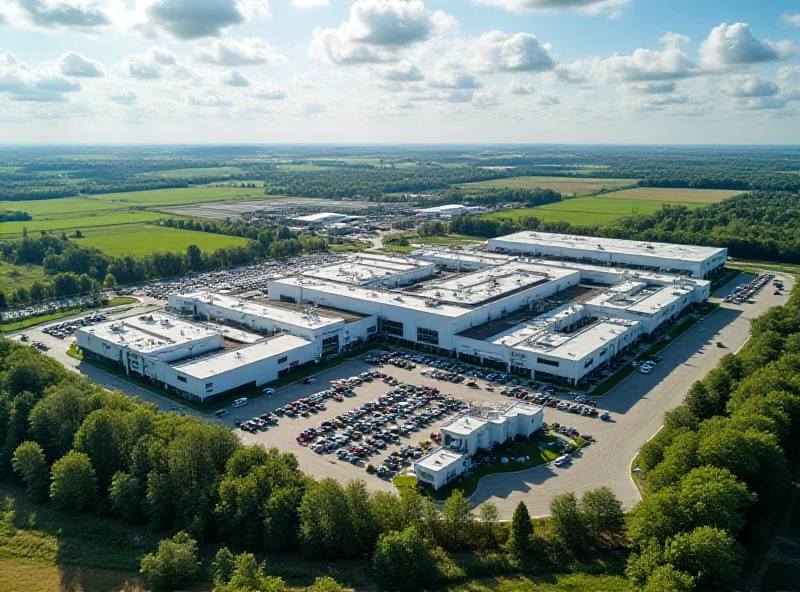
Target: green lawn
(143,239)
(174,197)
(58,223)
(587,210)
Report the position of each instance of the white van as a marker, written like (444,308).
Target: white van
(241,402)
(561,460)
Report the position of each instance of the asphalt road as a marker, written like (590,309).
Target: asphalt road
(637,406)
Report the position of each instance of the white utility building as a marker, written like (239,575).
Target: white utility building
(447,211)
(322,220)
(463,436)
(697,262)
(367,269)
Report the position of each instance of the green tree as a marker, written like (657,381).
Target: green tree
(457,522)
(567,521)
(248,576)
(222,567)
(486,528)
(74,486)
(325,524)
(707,554)
(404,561)
(29,463)
(711,496)
(325,584)
(519,540)
(110,282)
(602,512)
(658,516)
(125,495)
(173,564)
(666,578)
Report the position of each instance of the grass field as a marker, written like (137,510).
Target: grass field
(15,276)
(588,210)
(56,224)
(192,173)
(176,197)
(564,185)
(52,207)
(701,196)
(142,239)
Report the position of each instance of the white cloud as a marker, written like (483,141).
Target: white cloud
(518,87)
(793,20)
(454,80)
(761,103)
(312,108)
(566,74)
(247,52)
(398,72)
(749,86)
(209,100)
(74,64)
(735,45)
(647,65)
(235,78)
(123,96)
(22,83)
(265,92)
(496,51)
(592,7)
(652,88)
(484,98)
(140,67)
(83,15)
(377,29)
(195,19)
(306,4)
(162,56)
(524,89)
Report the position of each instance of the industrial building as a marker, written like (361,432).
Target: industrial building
(191,360)
(447,211)
(697,262)
(464,436)
(373,269)
(322,220)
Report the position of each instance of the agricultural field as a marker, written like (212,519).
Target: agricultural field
(701,196)
(143,239)
(585,211)
(564,185)
(68,224)
(16,276)
(176,197)
(192,173)
(58,207)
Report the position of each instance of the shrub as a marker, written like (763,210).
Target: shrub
(173,564)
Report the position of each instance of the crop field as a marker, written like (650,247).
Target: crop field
(143,239)
(564,185)
(589,211)
(66,205)
(176,197)
(81,222)
(192,173)
(684,196)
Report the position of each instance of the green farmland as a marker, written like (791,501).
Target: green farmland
(193,173)
(564,185)
(58,207)
(69,224)
(701,196)
(589,211)
(143,239)
(177,197)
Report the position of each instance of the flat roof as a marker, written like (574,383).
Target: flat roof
(321,217)
(464,425)
(219,363)
(440,459)
(578,345)
(453,257)
(271,313)
(359,270)
(151,333)
(612,245)
(493,282)
(643,298)
(531,329)
(374,295)
(444,209)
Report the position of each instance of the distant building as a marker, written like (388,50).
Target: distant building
(322,220)
(447,211)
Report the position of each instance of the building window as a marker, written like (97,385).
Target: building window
(182,378)
(330,346)
(372,330)
(427,336)
(283,360)
(209,387)
(547,362)
(285,298)
(588,362)
(393,328)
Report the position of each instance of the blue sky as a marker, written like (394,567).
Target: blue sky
(399,71)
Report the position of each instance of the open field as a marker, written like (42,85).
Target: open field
(15,276)
(192,173)
(56,224)
(171,197)
(701,196)
(143,239)
(51,207)
(588,210)
(564,185)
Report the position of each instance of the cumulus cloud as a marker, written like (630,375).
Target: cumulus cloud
(761,103)
(496,51)
(306,4)
(376,29)
(56,14)
(74,64)
(454,80)
(593,7)
(211,100)
(195,19)
(518,87)
(749,86)
(566,74)
(524,89)
(652,88)
(235,78)
(398,72)
(793,20)
(140,67)
(123,96)
(22,83)
(735,45)
(647,65)
(162,56)
(484,98)
(266,92)
(249,51)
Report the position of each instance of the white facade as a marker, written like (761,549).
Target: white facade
(322,219)
(462,437)
(695,261)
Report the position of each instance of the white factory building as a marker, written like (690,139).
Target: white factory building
(463,436)
(197,362)
(322,220)
(447,211)
(697,262)
(368,269)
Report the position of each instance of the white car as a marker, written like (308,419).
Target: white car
(241,402)
(645,369)
(268,391)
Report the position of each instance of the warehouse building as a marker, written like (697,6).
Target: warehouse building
(191,360)
(367,269)
(694,261)
(322,220)
(464,436)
